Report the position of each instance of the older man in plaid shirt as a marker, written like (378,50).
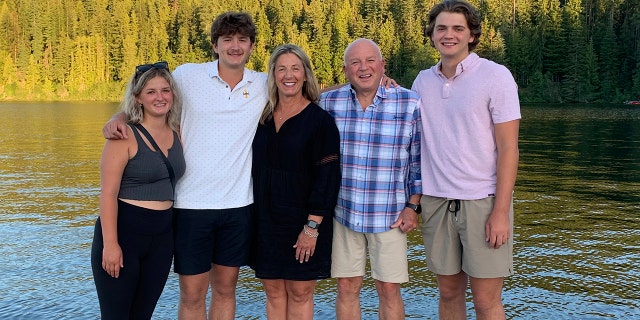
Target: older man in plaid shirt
(381,184)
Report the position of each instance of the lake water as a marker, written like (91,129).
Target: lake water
(577,204)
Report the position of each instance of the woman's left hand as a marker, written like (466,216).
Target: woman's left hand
(305,247)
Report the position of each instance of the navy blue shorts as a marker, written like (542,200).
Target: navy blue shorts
(206,236)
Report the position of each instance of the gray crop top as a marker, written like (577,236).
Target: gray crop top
(146,176)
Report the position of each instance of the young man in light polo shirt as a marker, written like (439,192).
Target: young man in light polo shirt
(470,115)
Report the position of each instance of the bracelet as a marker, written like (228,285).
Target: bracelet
(309,234)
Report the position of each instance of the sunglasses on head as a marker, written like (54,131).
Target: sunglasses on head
(146,67)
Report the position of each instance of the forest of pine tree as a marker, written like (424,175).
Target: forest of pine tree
(558,50)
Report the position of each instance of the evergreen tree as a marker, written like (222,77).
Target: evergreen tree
(606,49)
(553,50)
(630,48)
(635,90)
(8,73)
(10,26)
(558,50)
(409,57)
(339,38)
(316,27)
(492,46)
(573,33)
(260,56)
(523,55)
(587,81)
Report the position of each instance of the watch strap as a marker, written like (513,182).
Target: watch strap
(414,207)
(313,224)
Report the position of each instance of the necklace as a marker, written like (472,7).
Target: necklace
(283,115)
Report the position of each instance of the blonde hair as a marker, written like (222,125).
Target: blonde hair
(133,113)
(310,88)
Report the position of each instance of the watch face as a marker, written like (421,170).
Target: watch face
(312,224)
(415,207)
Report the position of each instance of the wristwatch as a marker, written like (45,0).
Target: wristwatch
(313,225)
(415,207)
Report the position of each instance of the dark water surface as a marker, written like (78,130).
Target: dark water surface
(577,204)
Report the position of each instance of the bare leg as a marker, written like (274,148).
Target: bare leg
(487,298)
(348,303)
(391,306)
(223,292)
(300,299)
(193,295)
(276,299)
(452,304)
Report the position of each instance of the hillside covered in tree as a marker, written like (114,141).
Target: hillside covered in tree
(557,50)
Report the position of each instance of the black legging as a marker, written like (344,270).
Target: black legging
(146,239)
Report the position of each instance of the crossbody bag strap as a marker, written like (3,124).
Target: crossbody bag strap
(144,131)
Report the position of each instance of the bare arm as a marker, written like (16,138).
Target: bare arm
(498,226)
(114,159)
(115,128)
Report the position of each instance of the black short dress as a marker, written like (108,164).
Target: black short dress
(296,172)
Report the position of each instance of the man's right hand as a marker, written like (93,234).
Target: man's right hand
(116,128)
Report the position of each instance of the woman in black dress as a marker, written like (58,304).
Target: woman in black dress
(296,178)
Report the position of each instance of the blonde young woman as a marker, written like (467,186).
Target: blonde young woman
(133,239)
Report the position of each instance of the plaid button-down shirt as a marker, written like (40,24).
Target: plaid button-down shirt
(380,155)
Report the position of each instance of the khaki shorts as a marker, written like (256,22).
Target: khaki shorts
(456,242)
(388,252)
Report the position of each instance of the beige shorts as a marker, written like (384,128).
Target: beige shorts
(387,251)
(456,241)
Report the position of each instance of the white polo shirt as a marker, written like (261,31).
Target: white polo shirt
(217,128)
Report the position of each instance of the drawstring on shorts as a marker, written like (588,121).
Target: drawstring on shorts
(454,207)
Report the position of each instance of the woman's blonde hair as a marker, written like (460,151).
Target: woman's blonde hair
(310,88)
(133,111)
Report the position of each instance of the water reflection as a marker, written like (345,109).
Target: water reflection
(577,205)
(578,200)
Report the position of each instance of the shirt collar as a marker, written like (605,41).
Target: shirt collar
(248,76)
(466,64)
(381,93)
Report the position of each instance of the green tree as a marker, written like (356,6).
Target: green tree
(314,24)
(587,81)
(523,55)
(10,27)
(553,62)
(573,33)
(7,75)
(409,58)
(340,15)
(606,49)
(260,55)
(492,46)
(558,50)
(630,47)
